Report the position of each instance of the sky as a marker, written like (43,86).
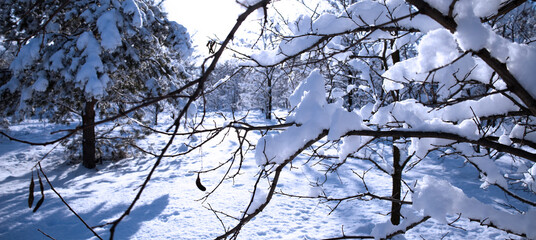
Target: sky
(207,19)
(204,18)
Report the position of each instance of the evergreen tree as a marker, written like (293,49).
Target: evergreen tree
(88,59)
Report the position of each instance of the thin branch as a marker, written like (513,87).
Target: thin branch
(199,90)
(500,68)
(449,136)
(506,8)
(270,194)
(46,235)
(66,204)
(488,223)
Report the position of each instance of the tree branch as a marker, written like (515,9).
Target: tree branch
(500,68)
(270,194)
(449,136)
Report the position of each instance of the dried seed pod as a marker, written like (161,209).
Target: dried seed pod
(31,195)
(199,185)
(38,204)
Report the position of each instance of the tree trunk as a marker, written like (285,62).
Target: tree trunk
(88,135)
(350,101)
(396,205)
(397,185)
(269,107)
(156,111)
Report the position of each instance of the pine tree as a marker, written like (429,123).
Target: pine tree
(87,59)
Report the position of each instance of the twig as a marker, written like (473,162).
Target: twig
(199,90)
(64,202)
(45,234)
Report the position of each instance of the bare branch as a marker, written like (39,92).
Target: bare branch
(66,204)
(274,182)
(499,67)
(449,136)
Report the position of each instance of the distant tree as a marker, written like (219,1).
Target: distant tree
(88,59)
(223,92)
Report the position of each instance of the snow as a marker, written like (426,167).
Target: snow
(169,208)
(221,81)
(312,86)
(87,75)
(248,2)
(382,230)
(493,175)
(495,104)
(361,14)
(505,139)
(431,191)
(343,122)
(471,34)
(519,55)
(41,84)
(530,177)
(130,7)
(349,145)
(181,40)
(436,48)
(56,60)
(107,25)
(418,118)
(258,199)
(27,55)
(480,8)
(485,8)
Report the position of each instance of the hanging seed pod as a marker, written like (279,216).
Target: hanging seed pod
(31,195)
(38,204)
(199,185)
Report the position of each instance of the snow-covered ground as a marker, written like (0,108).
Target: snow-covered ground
(172,207)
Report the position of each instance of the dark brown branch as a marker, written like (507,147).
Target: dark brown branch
(487,223)
(500,68)
(389,236)
(199,90)
(275,180)
(324,37)
(66,204)
(46,235)
(409,227)
(449,136)
(357,196)
(506,8)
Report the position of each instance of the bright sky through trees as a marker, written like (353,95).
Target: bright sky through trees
(204,18)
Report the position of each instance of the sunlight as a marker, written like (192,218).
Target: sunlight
(204,19)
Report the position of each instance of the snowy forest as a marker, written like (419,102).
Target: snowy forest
(309,119)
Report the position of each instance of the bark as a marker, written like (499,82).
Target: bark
(396,204)
(350,95)
(269,107)
(88,135)
(502,70)
(157,109)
